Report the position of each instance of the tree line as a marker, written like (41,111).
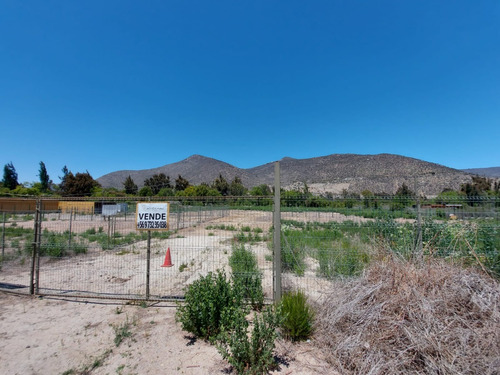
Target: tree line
(161,185)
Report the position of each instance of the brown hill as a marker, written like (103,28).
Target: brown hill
(382,173)
(493,172)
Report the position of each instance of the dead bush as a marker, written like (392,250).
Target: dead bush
(402,319)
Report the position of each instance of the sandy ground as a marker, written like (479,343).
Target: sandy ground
(54,336)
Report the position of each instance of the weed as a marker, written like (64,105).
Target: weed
(123,252)
(122,331)
(246,274)
(211,303)
(298,316)
(182,267)
(251,353)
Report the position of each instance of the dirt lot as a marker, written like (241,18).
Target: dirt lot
(54,336)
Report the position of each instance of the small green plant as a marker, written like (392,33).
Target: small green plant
(91,231)
(211,303)
(297,323)
(123,252)
(246,275)
(122,331)
(182,267)
(251,353)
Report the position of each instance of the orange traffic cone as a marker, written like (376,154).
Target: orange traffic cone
(168,260)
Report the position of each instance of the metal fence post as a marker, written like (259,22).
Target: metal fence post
(3,235)
(70,228)
(277,234)
(418,244)
(38,243)
(148,264)
(35,246)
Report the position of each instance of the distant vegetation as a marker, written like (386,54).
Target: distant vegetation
(160,185)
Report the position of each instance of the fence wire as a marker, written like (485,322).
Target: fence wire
(94,250)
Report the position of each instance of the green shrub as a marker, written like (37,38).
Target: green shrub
(122,331)
(251,353)
(293,259)
(210,303)
(56,244)
(246,275)
(343,259)
(298,316)
(90,231)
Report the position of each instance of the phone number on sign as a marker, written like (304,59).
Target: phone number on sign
(152,225)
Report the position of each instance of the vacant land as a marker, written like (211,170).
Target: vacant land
(56,336)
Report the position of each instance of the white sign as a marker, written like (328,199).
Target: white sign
(152,216)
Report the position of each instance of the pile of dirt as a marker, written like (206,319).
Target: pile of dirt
(403,319)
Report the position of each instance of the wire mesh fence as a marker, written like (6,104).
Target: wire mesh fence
(94,249)
(340,239)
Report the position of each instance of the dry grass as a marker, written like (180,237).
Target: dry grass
(402,319)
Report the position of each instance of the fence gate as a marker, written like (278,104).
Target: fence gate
(92,248)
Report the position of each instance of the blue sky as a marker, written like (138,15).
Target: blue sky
(111,85)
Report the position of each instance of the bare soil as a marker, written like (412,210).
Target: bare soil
(57,336)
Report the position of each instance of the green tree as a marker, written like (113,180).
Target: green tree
(236,187)
(45,181)
(221,185)
(402,198)
(202,190)
(478,187)
(81,184)
(145,191)
(166,192)
(292,198)
(9,176)
(181,183)
(65,172)
(261,190)
(158,182)
(367,198)
(129,186)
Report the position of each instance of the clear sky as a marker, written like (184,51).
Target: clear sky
(111,85)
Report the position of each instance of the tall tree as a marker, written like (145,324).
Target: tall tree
(221,185)
(10,176)
(181,183)
(65,172)
(130,186)
(81,184)
(44,177)
(236,187)
(158,182)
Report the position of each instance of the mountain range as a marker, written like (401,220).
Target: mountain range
(381,173)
